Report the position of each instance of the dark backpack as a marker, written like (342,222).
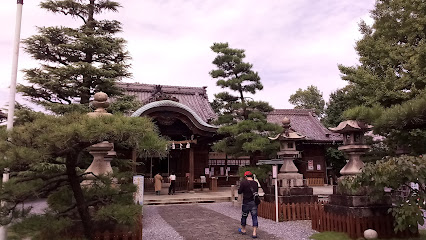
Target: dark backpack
(255,196)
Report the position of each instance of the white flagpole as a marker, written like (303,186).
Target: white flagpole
(11,110)
(12,93)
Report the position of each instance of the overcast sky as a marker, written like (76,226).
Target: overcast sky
(291,43)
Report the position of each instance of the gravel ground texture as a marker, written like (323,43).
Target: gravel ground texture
(290,230)
(154,226)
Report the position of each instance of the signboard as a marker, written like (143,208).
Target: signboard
(206,171)
(310,165)
(138,196)
(319,167)
(211,171)
(274,171)
(203,179)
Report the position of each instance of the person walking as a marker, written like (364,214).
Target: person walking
(248,187)
(157,183)
(172,178)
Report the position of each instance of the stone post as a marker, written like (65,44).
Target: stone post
(102,152)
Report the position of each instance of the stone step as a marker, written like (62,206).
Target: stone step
(186,201)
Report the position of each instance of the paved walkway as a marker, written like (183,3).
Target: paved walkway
(194,222)
(213,221)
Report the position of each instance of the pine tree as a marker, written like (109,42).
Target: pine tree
(46,157)
(76,62)
(390,82)
(242,120)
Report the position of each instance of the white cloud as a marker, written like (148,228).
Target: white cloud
(292,44)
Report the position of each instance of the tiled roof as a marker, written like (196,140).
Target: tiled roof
(303,122)
(193,97)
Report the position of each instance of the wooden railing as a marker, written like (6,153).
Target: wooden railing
(355,226)
(286,212)
(315,181)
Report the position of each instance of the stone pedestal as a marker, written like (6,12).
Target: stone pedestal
(359,206)
(292,195)
(99,165)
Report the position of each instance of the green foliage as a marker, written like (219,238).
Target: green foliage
(125,104)
(262,171)
(335,159)
(396,173)
(311,98)
(343,236)
(75,62)
(46,155)
(242,120)
(390,80)
(330,236)
(339,101)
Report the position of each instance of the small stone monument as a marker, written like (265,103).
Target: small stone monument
(291,185)
(102,152)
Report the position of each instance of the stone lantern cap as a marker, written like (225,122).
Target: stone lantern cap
(351,126)
(288,133)
(100,102)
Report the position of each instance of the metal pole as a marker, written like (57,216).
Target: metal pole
(12,92)
(276,199)
(3,229)
(11,110)
(275,176)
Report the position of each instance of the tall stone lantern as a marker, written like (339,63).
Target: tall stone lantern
(102,152)
(353,144)
(291,188)
(355,202)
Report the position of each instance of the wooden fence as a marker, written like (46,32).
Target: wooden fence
(355,226)
(315,181)
(286,212)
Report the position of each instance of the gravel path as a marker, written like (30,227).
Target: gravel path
(290,230)
(154,226)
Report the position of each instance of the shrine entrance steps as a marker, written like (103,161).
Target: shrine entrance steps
(223,194)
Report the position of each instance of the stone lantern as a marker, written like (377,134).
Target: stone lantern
(356,203)
(102,152)
(288,153)
(291,187)
(353,144)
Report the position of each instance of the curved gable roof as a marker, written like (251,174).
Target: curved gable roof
(193,97)
(160,105)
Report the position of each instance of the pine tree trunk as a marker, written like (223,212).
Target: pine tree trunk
(82,207)
(87,79)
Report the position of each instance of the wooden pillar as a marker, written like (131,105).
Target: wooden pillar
(134,158)
(191,168)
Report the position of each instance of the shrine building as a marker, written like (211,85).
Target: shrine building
(184,116)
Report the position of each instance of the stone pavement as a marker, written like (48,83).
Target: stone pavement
(194,222)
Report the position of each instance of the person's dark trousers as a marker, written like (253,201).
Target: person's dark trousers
(251,208)
(172,189)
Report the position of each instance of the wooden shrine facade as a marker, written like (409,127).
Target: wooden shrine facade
(183,114)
